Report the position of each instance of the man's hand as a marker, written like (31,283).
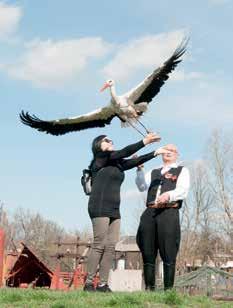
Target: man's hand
(150,138)
(163,198)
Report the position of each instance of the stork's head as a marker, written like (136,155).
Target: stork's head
(108,84)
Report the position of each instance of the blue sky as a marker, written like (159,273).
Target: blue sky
(54,57)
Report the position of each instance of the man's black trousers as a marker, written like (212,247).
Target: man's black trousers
(159,230)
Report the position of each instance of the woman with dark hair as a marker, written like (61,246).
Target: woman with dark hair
(107,169)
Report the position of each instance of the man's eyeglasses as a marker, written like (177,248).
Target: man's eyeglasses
(172,150)
(107,140)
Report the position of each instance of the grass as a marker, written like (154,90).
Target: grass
(79,299)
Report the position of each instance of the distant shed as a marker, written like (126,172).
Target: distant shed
(28,270)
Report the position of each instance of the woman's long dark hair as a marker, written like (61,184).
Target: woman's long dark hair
(96,148)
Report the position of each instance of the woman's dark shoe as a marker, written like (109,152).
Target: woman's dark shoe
(89,287)
(103,288)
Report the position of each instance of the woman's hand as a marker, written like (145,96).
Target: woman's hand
(160,151)
(150,138)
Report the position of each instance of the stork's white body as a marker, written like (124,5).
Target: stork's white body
(123,108)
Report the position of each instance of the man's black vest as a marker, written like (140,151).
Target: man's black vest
(167,181)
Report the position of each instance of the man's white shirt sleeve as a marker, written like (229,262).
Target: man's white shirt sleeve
(141,181)
(182,186)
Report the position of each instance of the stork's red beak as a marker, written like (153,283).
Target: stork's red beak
(105,86)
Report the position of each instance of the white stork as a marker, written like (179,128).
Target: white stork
(128,107)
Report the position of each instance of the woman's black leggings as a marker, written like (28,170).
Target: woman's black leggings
(159,229)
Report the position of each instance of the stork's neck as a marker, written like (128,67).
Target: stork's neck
(113,93)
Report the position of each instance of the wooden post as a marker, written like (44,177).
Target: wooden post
(2,242)
(56,277)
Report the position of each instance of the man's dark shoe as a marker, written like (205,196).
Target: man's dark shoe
(103,288)
(89,287)
(169,275)
(150,288)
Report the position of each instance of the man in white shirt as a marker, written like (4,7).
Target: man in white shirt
(159,228)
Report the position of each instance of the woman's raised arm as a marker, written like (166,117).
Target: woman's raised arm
(133,148)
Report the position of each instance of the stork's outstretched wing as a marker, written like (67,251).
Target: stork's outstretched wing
(97,118)
(151,85)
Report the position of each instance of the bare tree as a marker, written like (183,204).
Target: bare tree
(197,225)
(220,158)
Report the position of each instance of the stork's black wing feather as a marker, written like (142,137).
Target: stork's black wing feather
(150,87)
(98,118)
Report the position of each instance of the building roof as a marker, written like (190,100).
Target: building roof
(127,244)
(28,268)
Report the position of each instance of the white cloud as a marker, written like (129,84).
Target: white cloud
(49,63)
(208,104)
(54,63)
(9,19)
(147,52)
